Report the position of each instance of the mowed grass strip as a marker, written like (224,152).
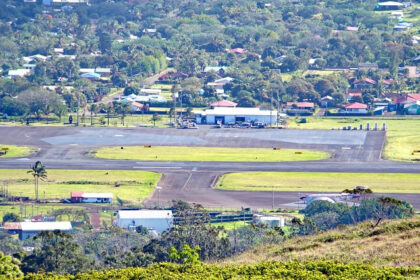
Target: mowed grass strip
(401,137)
(182,153)
(17,151)
(319,182)
(134,185)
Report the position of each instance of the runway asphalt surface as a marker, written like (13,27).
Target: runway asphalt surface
(65,148)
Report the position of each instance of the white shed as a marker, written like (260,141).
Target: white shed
(30,229)
(159,220)
(271,221)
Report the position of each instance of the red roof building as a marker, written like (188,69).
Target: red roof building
(363,83)
(223,103)
(407,98)
(237,50)
(301,105)
(355,105)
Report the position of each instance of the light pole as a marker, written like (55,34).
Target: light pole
(158,189)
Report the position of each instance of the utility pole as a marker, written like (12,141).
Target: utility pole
(271,108)
(78,108)
(272,202)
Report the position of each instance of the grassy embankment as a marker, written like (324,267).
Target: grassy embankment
(402,134)
(319,181)
(29,210)
(182,153)
(134,185)
(17,151)
(392,243)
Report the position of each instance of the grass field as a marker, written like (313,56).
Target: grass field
(182,153)
(402,134)
(319,182)
(348,244)
(17,151)
(134,185)
(30,210)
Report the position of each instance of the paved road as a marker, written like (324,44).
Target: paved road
(352,151)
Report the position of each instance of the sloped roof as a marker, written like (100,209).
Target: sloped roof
(223,103)
(46,226)
(366,80)
(301,104)
(356,105)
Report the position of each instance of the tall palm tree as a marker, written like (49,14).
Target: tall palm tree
(39,172)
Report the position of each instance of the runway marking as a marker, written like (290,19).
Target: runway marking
(157,167)
(119,135)
(186,182)
(73,144)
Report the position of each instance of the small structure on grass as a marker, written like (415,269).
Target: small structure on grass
(82,197)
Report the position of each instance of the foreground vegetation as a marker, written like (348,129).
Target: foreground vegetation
(17,151)
(182,153)
(126,185)
(319,181)
(402,134)
(392,243)
(268,270)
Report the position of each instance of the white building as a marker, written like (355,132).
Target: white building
(271,222)
(226,115)
(30,229)
(159,220)
(82,197)
(150,91)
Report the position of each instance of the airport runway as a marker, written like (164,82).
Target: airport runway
(65,147)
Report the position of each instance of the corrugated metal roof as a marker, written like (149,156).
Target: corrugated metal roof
(46,226)
(97,195)
(144,214)
(12,226)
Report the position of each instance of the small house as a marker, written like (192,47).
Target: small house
(327,101)
(91,76)
(354,108)
(158,220)
(389,5)
(363,83)
(82,197)
(18,73)
(412,108)
(300,108)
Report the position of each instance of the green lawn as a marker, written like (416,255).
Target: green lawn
(134,185)
(29,210)
(17,151)
(182,153)
(402,134)
(319,182)
(231,225)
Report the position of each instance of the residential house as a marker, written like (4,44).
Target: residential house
(18,73)
(352,28)
(103,71)
(91,76)
(137,107)
(412,108)
(353,93)
(365,83)
(218,87)
(354,108)
(327,101)
(389,5)
(300,108)
(400,102)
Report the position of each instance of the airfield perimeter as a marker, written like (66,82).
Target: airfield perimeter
(65,148)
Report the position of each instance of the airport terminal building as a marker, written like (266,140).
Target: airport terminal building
(226,115)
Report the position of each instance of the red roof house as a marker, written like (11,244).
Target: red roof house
(363,83)
(354,108)
(223,103)
(237,50)
(300,105)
